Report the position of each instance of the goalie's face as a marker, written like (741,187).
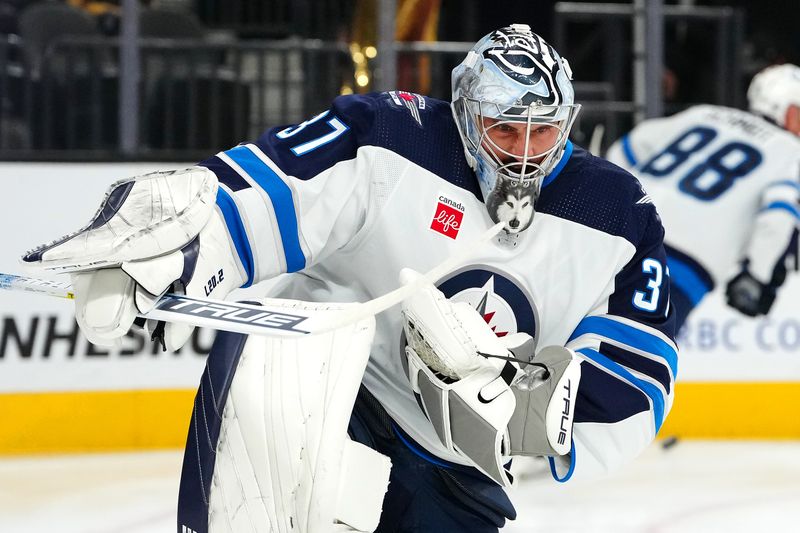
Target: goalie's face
(518,143)
(517,150)
(517,146)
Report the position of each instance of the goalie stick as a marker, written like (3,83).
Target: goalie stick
(277,317)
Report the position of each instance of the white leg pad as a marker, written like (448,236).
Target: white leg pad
(284,462)
(362,486)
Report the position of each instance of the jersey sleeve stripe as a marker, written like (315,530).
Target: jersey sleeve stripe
(686,279)
(782,205)
(640,363)
(651,391)
(647,366)
(282,202)
(629,335)
(225,174)
(627,149)
(233,221)
(786,183)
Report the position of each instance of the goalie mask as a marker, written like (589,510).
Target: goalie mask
(514,106)
(773,91)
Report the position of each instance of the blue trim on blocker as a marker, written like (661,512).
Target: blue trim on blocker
(571,465)
(687,280)
(560,166)
(233,221)
(647,388)
(786,206)
(628,335)
(628,150)
(282,203)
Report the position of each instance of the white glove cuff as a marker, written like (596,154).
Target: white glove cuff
(104,304)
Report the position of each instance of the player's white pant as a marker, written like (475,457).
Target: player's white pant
(268,449)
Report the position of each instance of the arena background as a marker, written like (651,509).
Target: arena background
(81,105)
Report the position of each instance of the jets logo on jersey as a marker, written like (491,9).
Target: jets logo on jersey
(502,301)
(411,101)
(504,304)
(448,217)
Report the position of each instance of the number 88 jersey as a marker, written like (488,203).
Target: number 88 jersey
(726,184)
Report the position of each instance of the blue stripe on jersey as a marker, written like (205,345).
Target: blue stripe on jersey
(628,150)
(682,275)
(225,174)
(281,197)
(603,398)
(233,220)
(628,335)
(560,166)
(649,389)
(634,362)
(785,183)
(786,206)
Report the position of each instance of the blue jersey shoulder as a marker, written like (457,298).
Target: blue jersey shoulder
(597,193)
(417,128)
(422,130)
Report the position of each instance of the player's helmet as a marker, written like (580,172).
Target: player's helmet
(773,90)
(513,81)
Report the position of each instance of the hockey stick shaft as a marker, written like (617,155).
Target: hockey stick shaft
(217,314)
(11,282)
(390,299)
(276,317)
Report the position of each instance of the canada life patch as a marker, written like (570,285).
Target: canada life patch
(448,217)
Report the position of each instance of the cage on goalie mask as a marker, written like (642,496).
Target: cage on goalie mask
(514,106)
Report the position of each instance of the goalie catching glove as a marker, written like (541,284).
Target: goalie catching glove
(152,234)
(487,397)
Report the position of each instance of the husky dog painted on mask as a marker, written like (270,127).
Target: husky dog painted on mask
(511,203)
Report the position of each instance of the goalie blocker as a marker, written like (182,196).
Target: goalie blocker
(487,398)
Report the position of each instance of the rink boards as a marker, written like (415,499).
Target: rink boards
(737,377)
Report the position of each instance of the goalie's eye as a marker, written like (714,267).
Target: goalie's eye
(501,127)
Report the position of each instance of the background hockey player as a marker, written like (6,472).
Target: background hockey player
(726,183)
(555,340)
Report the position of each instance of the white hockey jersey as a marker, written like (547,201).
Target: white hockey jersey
(379,182)
(726,184)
